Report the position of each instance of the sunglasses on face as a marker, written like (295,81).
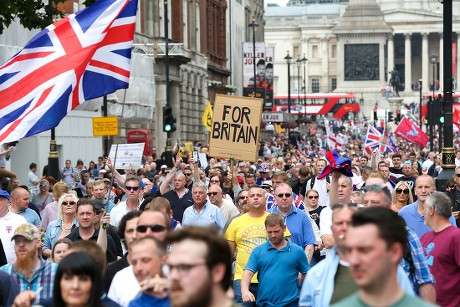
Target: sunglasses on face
(458,175)
(187,174)
(281,195)
(341,206)
(212,193)
(313,197)
(68,203)
(405,191)
(153,228)
(43,185)
(132,188)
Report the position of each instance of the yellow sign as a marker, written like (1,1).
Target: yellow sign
(236,127)
(105,126)
(207,116)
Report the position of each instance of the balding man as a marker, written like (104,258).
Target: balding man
(179,197)
(20,205)
(227,208)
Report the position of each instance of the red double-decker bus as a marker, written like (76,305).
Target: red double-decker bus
(455,102)
(338,105)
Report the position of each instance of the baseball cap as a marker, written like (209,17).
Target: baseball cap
(28,231)
(240,180)
(264,168)
(267,184)
(4,194)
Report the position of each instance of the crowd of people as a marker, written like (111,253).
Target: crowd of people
(369,231)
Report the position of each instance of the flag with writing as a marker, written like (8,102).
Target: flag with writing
(207,116)
(83,56)
(411,132)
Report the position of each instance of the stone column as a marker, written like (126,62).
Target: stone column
(441,62)
(425,62)
(324,84)
(407,63)
(391,53)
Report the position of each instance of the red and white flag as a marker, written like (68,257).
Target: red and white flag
(411,132)
(333,141)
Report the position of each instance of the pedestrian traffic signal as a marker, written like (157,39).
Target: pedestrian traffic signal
(390,116)
(169,122)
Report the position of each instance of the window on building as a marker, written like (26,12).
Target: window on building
(333,84)
(314,51)
(295,52)
(315,85)
(333,51)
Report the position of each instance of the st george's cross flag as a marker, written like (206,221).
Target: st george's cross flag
(83,56)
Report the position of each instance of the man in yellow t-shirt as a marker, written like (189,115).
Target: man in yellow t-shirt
(244,234)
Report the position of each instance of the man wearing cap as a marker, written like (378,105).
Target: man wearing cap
(9,221)
(264,173)
(29,270)
(20,205)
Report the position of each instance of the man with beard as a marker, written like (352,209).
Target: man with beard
(146,255)
(200,268)
(277,259)
(29,270)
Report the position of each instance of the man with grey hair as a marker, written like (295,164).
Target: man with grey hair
(202,212)
(442,248)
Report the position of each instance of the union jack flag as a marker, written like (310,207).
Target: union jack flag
(376,140)
(83,56)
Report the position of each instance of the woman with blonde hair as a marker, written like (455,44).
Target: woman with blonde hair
(50,212)
(402,196)
(61,227)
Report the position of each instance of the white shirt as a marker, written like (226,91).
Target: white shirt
(321,187)
(117,213)
(325,223)
(8,225)
(124,287)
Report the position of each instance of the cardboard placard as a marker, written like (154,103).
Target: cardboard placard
(236,127)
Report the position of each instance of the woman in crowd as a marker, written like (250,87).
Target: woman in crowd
(219,180)
(314,210)
(44,196)
(402,196)
(60,249)
(78,282)
(50,212)
(61,227)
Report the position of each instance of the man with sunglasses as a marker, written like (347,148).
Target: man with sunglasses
(227,208)
(132,202)
(124,286)
(296,220)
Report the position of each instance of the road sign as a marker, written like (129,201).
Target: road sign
(105,126)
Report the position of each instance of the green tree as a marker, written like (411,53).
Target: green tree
(32,14)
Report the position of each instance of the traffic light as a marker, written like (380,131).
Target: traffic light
(169,122)
(375,113)
(398,116)
(390,116)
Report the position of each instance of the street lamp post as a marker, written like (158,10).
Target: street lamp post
(298,61)
(420,102)
(304,61)
(433,60)
(288,59)
(254,27)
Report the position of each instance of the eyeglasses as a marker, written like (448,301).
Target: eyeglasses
(341,206)
(313,197)
(405,191)
(244,197)
(281,195)
(212,193)
(132,188)
(458,175)
(187,174)
(43,185)
(214,181)
(153,228)
(183,268)
(68,203)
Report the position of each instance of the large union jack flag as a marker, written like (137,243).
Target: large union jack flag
(376,140)
(83,56)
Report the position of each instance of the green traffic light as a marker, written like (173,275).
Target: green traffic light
(441,120)
(167,127)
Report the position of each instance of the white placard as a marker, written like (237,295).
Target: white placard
(128,155)
(203,160)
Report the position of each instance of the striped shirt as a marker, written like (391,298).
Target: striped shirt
(41,282)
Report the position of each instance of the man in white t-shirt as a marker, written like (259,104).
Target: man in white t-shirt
(32,177)
(320,185)
(9,221)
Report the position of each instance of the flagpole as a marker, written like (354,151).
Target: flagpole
(53,158)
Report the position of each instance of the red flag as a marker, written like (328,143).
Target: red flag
(409,131)
(456,116)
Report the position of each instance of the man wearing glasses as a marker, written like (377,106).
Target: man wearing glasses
(296,220)
(133,190)
(124,286)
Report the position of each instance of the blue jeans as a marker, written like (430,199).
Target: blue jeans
(239,296)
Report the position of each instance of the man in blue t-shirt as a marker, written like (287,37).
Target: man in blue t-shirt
(277,259)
